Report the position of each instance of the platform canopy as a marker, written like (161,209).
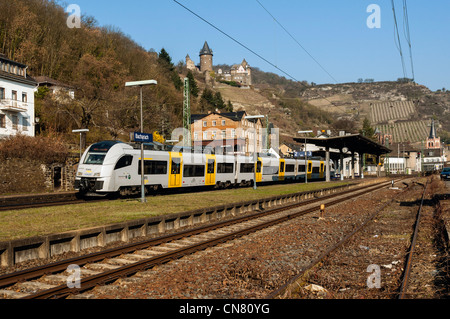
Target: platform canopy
(349,143)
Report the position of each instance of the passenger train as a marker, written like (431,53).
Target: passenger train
(115,167)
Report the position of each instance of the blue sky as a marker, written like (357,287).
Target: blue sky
(334,32)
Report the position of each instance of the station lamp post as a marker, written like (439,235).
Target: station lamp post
(255,157)
(84,130)
(141,84)
(306,156)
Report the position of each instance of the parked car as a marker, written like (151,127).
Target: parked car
(445,174)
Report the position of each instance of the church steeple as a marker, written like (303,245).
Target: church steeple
(432,130)
(433,141)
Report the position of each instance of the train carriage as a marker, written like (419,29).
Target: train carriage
(225,173)
(115,167)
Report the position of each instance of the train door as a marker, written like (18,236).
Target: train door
(176,160)
(322,170)
(281,170)
(210,170)
(259,165)
(310,169)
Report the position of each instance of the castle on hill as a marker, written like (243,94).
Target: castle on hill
(239,73)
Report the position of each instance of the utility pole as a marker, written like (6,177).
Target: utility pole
(186,115)
(267,133)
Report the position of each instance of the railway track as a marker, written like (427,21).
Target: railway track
(51,281)
(293,284)
(407,272)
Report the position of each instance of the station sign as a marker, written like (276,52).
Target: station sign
(142,137)
(302,154)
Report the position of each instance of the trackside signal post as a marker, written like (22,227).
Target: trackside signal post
(145,137)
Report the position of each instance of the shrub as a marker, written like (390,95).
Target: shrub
(46,150)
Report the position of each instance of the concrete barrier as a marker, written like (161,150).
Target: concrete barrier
(42,247)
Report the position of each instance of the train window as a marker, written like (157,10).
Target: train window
(321,167)
(194,171)
(282,167)
(258,167)
(176,166)
(211,164)
(224,168)
(290,168)
(316,169)
(153,168)
(309,167)
(94,159)
(124,161)
(301,168)
(247,168)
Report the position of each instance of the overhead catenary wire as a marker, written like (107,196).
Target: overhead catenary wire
(238,42)
(408,35)
(246,47)
(296,41)
(397,39)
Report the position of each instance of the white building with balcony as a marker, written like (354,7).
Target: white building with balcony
(16,99)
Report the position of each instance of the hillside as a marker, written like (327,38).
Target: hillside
(404,110)
(97,61)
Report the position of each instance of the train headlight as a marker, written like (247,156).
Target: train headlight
(96,174)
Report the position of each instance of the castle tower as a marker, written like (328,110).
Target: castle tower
(206,58)
(190,64)
(433,141)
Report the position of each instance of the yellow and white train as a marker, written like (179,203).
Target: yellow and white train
(115,167)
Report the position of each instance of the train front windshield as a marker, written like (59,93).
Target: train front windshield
(94,159)
(97,152)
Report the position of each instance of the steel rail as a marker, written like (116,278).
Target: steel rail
(279,291)
(407,271)
(36,272)
(63,291)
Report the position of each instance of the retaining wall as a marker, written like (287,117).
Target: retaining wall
(43,247)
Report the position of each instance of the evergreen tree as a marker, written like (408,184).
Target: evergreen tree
(165,58)
(193,88)
(367,129)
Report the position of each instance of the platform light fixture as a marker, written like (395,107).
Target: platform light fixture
(255,157)
(140,84)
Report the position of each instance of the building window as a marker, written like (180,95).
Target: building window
(214,123)
(2,121)
(25,123)
(15,122)
(24,97)
(223,122)
(205,135)
(233,133)
(224,134)
(195,136)
(2,93)
(205,124)
(14,95)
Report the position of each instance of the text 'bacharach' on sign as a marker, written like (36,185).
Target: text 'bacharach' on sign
(143,137)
